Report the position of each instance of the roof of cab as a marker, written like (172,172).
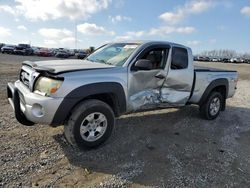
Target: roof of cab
(150,42)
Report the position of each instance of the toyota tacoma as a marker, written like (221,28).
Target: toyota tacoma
(118,78)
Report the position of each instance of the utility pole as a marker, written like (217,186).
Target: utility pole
(75,34)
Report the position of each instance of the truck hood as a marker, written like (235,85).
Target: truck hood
(69,65)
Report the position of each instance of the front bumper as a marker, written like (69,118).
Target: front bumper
(14,99)
(31,108)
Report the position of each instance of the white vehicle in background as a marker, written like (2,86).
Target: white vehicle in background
(236,60)
(215,60)
(9,49)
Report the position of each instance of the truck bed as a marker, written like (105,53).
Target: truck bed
(203,76)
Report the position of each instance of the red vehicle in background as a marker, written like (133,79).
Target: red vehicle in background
(44,52)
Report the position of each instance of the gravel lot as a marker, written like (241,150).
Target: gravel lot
(166,148)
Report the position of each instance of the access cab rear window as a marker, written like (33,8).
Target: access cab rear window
(179,58)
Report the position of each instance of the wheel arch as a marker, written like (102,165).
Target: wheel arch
(219,85)
(111,93)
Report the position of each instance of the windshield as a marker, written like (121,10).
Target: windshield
(114,54)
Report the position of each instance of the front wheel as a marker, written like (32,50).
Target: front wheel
(211,108)
(90,124)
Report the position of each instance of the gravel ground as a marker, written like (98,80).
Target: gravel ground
(165,148)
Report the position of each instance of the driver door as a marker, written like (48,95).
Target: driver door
(144,86)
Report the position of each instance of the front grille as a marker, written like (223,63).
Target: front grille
(25,77)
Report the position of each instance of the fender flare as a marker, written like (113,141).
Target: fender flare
(211,86)
(77,95)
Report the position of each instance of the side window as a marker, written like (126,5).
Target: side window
(179,58)
(157,56)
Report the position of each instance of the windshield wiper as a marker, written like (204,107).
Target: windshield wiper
(89,59)
(101,61)
(108,63)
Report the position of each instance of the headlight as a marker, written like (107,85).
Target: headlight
(47,86)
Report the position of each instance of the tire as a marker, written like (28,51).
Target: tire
(83,134)
(211,108)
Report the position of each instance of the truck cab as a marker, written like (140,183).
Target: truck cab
(167,73)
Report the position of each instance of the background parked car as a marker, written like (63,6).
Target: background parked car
(201,58)
(35,50)
(62,54)
(44,52)
(23,49)
(214,59)
(225,60)
(1,45)
(71,52)
(245,60)
(236,60)
(9,49)
(81,54)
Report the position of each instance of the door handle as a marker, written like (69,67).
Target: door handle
(160,76)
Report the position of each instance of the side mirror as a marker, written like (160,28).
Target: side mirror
(143,64)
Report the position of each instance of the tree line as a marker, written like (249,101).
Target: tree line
(223,53)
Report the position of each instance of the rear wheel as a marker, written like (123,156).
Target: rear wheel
(211,108)
(90,124)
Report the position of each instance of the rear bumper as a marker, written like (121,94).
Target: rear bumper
(31,108)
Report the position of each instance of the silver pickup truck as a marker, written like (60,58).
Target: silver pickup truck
(118,78)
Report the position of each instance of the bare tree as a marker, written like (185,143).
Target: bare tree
(222,53)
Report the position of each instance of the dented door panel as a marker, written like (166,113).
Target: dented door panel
(144,91)
(160,88)
(145,99)
(177,87)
